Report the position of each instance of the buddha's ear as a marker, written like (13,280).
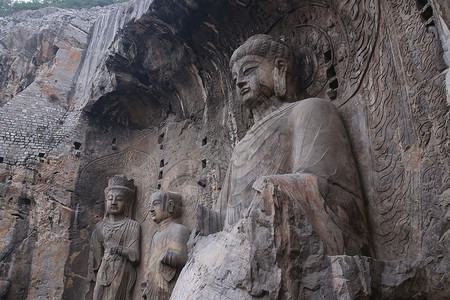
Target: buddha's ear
(279,77)
(171,206)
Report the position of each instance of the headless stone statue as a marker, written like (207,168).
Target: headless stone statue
(289,137)
(115,244)
(168,250)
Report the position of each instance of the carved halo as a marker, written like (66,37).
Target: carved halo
(334,42)
(316,55)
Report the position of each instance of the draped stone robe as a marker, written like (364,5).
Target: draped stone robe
(114,274)
(170,236)
(302,137)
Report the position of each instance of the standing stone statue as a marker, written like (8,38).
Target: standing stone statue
(115,244)
(168,250)
(289,137)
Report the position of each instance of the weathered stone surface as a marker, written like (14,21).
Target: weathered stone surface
(168,249)
(268,255)
(298,148)
(35,219)
(384,64)
(273,252)
(115,244)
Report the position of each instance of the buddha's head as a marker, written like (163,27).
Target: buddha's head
(263,67)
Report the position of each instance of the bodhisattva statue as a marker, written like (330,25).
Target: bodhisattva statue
(115,244)
(168,250)
(289,136)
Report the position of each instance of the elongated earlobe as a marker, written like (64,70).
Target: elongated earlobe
(171,206)
(279,77)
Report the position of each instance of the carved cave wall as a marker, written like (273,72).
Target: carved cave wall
(161,109)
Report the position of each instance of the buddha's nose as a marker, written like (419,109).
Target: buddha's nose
(241,83)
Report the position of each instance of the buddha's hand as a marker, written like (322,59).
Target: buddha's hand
(116,250)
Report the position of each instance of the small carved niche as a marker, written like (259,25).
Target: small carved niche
(426,12)
(24,201)
(331,72)
(421,4)
(161,138)
(327,56)
(334,84)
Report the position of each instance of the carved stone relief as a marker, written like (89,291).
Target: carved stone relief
(168,250)
(162,91)
(290,138)
(133,163)
(335,41)
(382,71)
(115,244)
(89,206)
(378,63)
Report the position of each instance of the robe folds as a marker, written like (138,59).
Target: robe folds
(114,275)
(170,236)
(307,136)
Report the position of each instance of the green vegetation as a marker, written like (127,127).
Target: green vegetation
(8,7)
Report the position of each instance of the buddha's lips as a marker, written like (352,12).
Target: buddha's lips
(245,90)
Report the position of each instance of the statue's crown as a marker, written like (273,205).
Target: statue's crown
(121,182)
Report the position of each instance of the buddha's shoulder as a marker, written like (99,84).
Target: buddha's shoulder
(312,104)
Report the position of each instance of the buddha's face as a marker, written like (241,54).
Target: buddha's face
(158,210)
(253,77)
(116,200)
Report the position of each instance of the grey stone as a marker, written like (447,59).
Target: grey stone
(160,83)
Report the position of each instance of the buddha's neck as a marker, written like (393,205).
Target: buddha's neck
(266,107)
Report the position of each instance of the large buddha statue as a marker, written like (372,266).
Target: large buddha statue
(289,136)
(115,244)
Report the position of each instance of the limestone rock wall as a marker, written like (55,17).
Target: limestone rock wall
(35,217)
(144,89)
(40,54)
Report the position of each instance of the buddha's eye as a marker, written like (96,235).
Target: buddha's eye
(249,70)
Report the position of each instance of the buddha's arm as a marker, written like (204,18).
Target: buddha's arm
(318,137)
(208,221)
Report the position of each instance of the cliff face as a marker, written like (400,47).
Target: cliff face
(144,89)
(42,55)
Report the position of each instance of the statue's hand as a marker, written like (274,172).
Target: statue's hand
(169,258)
(116,250)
